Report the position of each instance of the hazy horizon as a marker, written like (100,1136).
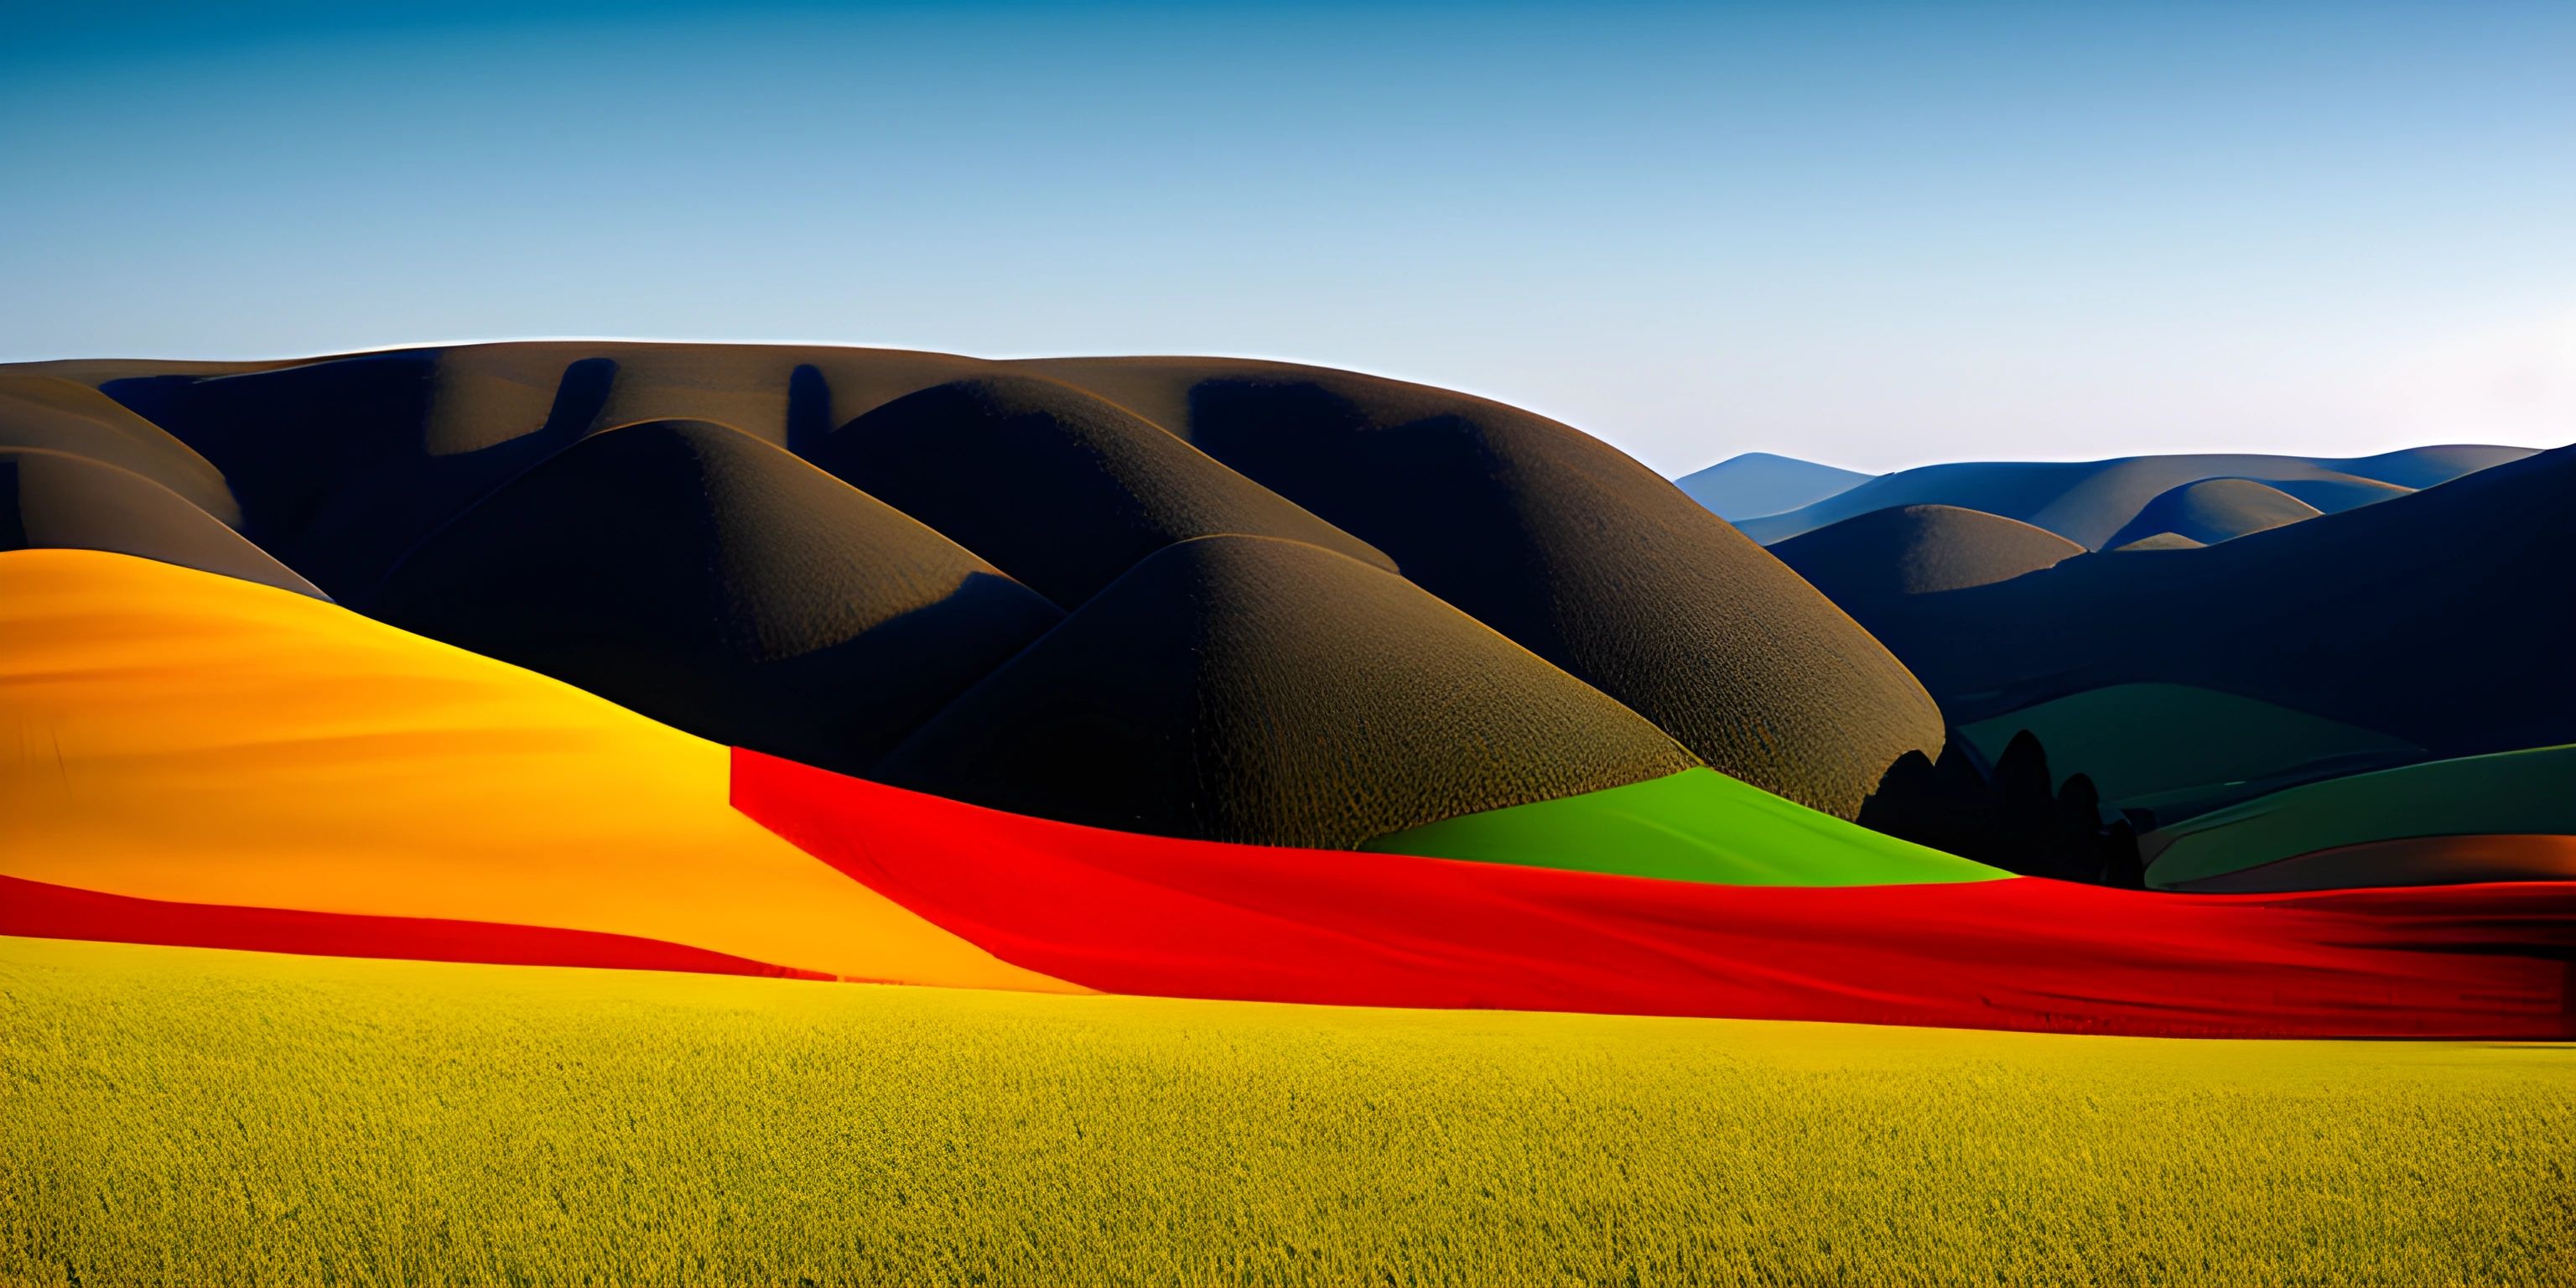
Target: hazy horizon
(1869,235)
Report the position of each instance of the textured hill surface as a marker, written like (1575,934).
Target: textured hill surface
(1058,487)
(307,769)
(1265,691)
(2214,510)
(53,414)
(1759,483)
(2160,541)
(54,500)
(343,463)
(718,584)
(1570,548)
(2088,501)
(2441,618)
(1917,550)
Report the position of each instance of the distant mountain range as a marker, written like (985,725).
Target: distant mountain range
(2092,503)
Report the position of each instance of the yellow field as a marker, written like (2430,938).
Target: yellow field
(187,1116)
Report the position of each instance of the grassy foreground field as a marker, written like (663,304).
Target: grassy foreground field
(177,1115)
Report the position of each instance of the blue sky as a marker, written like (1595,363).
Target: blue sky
(1875,235)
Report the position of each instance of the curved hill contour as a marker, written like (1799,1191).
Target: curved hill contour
(716,583)
(2214,510)
(52,414)
(1570,548)
(2440,618)
(2088,501)
(1916,550)
(1060,488)
(2160,541)
(1249,689)
(344,463)
(54,500)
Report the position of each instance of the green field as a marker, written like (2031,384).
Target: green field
(2511,792)
(186,1116)
(1697,825)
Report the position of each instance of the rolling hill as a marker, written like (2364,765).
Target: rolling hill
(2087,502)
(48,413)
(1864,561)
(1059,488)
(55,500)
(1256,690)
(2214,510)
(721,585)
(346,465)
(2440,618)
(1569,548)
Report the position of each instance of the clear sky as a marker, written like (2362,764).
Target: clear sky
(1875,235)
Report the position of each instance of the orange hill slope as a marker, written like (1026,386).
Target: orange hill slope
(172,735)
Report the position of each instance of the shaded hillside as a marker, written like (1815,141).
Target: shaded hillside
(717,583)
(62,416)
(1915,550)
(1760,483)
(57,501)
(2442,618)
(1570,548)
(2214,510)
(1059,488)
(1248,689)
(2088,501)
(2177,751)
(2160,541)
(343,463)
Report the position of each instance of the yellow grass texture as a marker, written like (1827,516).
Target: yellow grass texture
(189,1116)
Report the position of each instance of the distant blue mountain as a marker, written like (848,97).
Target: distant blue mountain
(2088,502)
(1759,483)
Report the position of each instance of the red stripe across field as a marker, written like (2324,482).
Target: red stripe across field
(41,910)
(1152,915)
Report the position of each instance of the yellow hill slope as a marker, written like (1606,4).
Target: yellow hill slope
(172,734)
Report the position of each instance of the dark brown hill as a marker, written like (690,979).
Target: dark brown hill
(718,584)
(2442,617)
(342,463)
(1058,487)
(1249,689)
(1570,548)
(60,415)
(58,501)
(2215,510)
(1916,550)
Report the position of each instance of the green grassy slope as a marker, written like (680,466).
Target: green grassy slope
(2169,746)
(1697,825)
(182,1116)
(2513,792)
